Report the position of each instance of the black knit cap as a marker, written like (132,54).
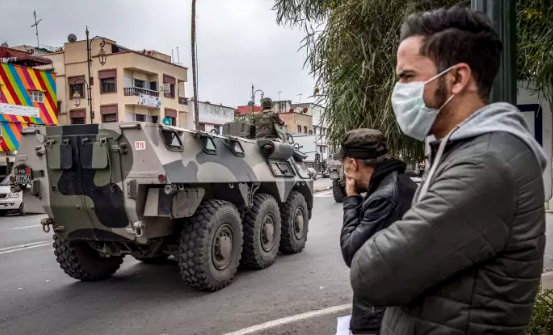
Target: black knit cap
(362,143)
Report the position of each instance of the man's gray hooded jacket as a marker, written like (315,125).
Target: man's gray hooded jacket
(468,256)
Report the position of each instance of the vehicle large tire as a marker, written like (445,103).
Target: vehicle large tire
(295,224)
(162,259)
(262,231)
(210,246)
(338,191)
(80,261)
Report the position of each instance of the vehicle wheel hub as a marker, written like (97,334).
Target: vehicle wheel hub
(268,232)
(223,247)
(298,223)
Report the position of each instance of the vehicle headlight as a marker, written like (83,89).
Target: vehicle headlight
(13,195)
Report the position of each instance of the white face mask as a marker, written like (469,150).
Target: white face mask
(413,116)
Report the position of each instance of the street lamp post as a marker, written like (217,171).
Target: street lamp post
(102,59)
(77,96)
(253,97)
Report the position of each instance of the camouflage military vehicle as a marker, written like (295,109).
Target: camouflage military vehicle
(151,191)
(336,173)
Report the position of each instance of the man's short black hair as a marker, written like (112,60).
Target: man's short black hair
(458,35)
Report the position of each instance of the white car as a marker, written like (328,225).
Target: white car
(10,202)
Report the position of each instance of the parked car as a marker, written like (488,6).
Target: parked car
(10,202)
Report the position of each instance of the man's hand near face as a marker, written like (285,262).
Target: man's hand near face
(351,186)
(351,183)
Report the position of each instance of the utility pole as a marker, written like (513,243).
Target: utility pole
(502,14)
(194,73)
(36,27)
(299,95)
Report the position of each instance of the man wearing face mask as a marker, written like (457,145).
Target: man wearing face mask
(389,192)
(467,257)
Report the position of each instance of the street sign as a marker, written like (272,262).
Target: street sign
(167,121)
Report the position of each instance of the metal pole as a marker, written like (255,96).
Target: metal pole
(253,100)
(503,15)
(194,73)
(88,60)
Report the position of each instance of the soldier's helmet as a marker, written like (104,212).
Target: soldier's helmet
(267,103)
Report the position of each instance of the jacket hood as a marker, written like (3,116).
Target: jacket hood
(500,117)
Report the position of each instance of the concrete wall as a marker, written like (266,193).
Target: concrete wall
(210,115)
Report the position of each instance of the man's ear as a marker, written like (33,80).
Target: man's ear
(354,164)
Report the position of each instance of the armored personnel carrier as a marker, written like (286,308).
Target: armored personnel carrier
(151,191)
(336,173)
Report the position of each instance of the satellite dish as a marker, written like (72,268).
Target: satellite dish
(72,38)
(5,45)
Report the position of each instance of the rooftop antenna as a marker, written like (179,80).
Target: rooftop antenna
(299,95)
(279,95)
(36,27)
(172,57)
(178,56)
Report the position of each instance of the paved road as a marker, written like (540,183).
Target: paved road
(321,183)
(36,297)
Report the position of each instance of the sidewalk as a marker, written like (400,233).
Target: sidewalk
(547,281)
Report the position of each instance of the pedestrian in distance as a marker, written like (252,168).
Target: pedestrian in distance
(467,257)
(389,192)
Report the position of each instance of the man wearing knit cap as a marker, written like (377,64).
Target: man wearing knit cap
(389,192)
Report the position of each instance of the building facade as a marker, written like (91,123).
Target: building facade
(27,98)
(212,116)
(130,86)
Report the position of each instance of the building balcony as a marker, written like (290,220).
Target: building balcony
(142,97)
(130,91)
(183,101)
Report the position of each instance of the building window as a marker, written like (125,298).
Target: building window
(108,85)
(155,119)
(76,84)
(138,83)
(299,129)
(305,129)
(153,86)
(173,121)
(108,81)
(37,96)
(171,82)
(109,113)
(77,88)
(140,118)
(311,132)
(77,120)
(202,127)
(109,118)
(59,107)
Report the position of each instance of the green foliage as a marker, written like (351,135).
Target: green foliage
(542,317)
(351,51)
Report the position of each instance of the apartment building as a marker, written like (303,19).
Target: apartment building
(126,85)
(27,99)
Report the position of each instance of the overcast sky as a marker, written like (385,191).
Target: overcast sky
(239,42)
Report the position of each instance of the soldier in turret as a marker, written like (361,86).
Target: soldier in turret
(267,122)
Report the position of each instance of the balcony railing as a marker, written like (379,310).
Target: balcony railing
(183,101)
(129,91)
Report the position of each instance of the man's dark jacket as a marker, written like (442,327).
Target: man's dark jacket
(389,196)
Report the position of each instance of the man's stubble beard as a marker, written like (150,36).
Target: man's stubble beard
(440,99)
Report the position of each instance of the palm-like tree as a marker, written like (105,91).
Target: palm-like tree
(351,47)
